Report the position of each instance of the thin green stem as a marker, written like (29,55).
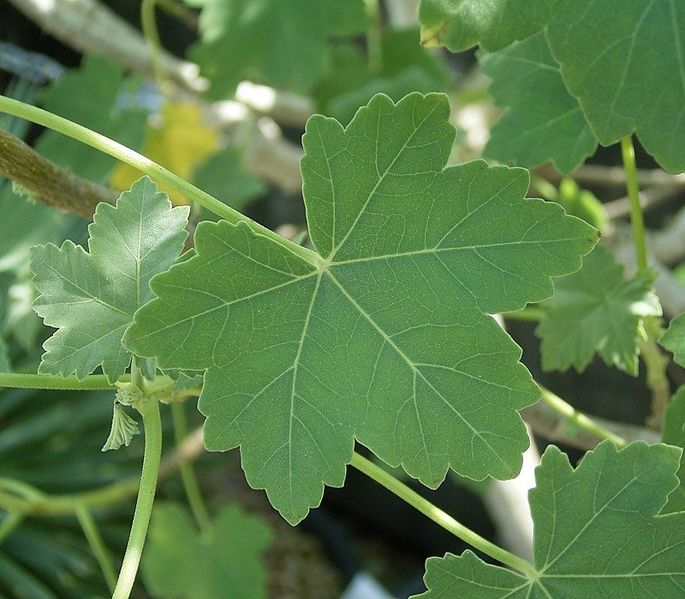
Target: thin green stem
(179,11)
(151,35)
(633,189)
(147,166)
(10,524)
(146,495)
(188,477)
(441,518)
(97,545)
(578,418)
(94,382)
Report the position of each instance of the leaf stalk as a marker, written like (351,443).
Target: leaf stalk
(441,518)
(147,166)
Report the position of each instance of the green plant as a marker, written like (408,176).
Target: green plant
(379,330)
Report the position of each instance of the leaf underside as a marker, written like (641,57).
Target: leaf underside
(91,296)
(544,122)
(597,533)
(387,337)
(625,62)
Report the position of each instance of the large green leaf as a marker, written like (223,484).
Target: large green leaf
(543,120)
(224,562)
(596,310)
(625,61)
(674,434)
(387,336)
(598,533)
(91,297)
(494,24)
(278,42)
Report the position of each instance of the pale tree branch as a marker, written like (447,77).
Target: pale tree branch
(88,26)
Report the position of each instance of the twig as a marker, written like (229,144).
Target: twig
(552,425)
(88,26)
(41,504)
(507,504)
(53,185)
(592,174)
(650,198)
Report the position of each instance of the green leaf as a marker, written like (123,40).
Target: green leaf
(223,176)
(494,24)
(278,42)
(674,434)
(674,339)
(22,224)
(625,62)
(543,121)
(387,336)
(406,67)
(98,108)
(91,297)
(596,310)
(179,562)
(597,533)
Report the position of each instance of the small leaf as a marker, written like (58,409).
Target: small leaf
(624,60)
(225,562)
(597,533)
(386,336)
(91,297)
(278,42)
(543,121)
(494,24)
(596,310)
(674,434)
(674,339)
(123,429)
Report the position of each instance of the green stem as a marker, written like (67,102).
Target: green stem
(655,361)
(10,524)
(179,11)
(151,35)
(188,477)
(441,518)
(94,382)
(97,545)
(147,166)
(578,418)
(146,495)
(636,218)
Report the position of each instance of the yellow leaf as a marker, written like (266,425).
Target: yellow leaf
(178,142)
